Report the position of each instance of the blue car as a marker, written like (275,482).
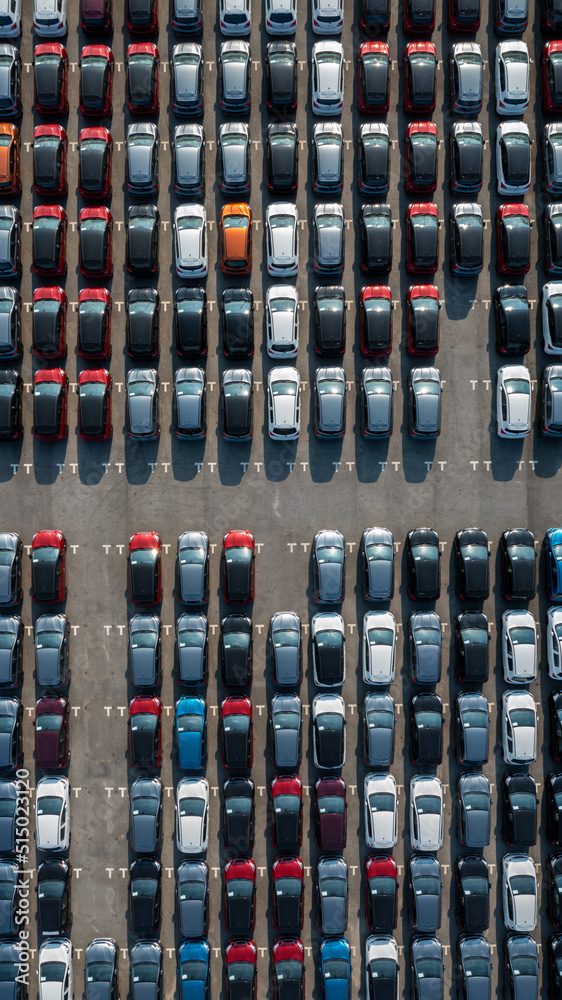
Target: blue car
(335,968)
(194,969)
(190,733)
(554,559)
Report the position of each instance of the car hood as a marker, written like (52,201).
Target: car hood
(145,832)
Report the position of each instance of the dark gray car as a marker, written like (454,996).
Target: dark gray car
(145,819)
(234,158)
(474,809)
(146,970)
(286,730)
(142,404)
(192,898)
(426,965)
(10,963)
(51,651)
(11,549)
(424,632)
(328,567)
(472,727)
(332,889)
(329,402)
(11,650)
(11,753)
(522,967)
(8,804)
(188,150)
(145,633)
(190,403)
(9,897)
(475,967)
(378,729)
(100,972)
(142,158)
(424,885)
(377,564)
(285,644)
(193,567)
(192,642)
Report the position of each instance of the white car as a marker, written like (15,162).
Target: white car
(519,647)
(10,18)
(426,813)
(327,630)
(380,797)
(554,642)
(379,647)
(190,241)
(55,970)
(381,963)
(327,17)
(282,321)
(519,893)
(513,158)
(327,78)
(52,814)
(284,404)
(519,727)
(512,78)
(282,235)
(49,18)
(235,17)
(192,815)
(551,315)
(280,17)
(513,402)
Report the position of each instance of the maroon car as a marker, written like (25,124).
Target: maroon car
(330,810)
(51,732)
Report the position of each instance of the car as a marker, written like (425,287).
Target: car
(10,243)
(188,150)
(236,732)
(422,238)
(192,648)
(553,540)
(426,967)
(420,77)
(142,159)
(519,727)
(467,239)
(378,722)
(49,18)
(237,404)
(467,157)
(50,74)
(282,157)
(234,152)
(192,815)
(280,17)
(419,17)
(186,77)
(555,713)
(511,17)
(328,567)
(423,558)
(466,78)
(11,650)
(374,16)
(96,15)
(519,794)
(48,241)
(426,729)
(240,972)
(190,322)
(554,948)
(51,651)
(328,723)
(141,78)
(377,563)
(145,815)
(473,810)
(328,239)
(11,553)
(235,17)
(54,881)
(236,646)
(552,161)
(518,558)
(520,951)
(381,893)
(49,160)
(145,731)
(142,323)
(96,81)
(424,403)
(422,145)
(329,403)
(192,898)
(475,967)
(472,727)
(424,893)
(10,180)
(422,317)
(375,320)
(194,970)
(426,813)
(283,389)
(94,324)
(553,643)
(52,814)
(513,158)
(373,68)
(48,566)
(374,158)
(145,569)
(327,79)
(239,896)
(142,229)
(10,82)
(375,236)
(519,892)
(512,77)
(512,319)
(141,16)
(145,896)
(282,239)
(327,158)
(9,799)
(380,799)
(553,882)
(55,967)
(327,632)
(551,317)
(551,63)
(237,322)
(95,228)
(330,813)
(190,733)
(190,241)
(48,323)
(94,163)
(288,967)
(424,636)
(11,405)
(238,559)
(145,650)
(50,399)
(513,402)
(519,647)
(280,64)
(472,564)
(235,76)
(10,18)
(235,233)
(193,567)
(286,812)
(376,403)
(146,970)
(52,720)
(284,642)
(472,889)
(335,968)
(11,752)
(100,967)
(327,17)
(142,404)
(332,895)
(553,803)
(381,965)
(238,814)
(10,322)
(187,17)
(379,647)
(282,321)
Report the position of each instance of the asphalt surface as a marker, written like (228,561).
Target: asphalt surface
(100,494)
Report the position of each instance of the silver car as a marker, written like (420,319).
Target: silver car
(192,647)
(190,241)
(286,730)
(192,898)
(328,566)
(145,815)
(551,402)
(332,894)
(283,392)
(193,567)
(282,321)
(234,158)
(329,402)
(466,68)
(144,650)
(186,72)
(285,645)
(377,564)
(512,78)
(235,17)
(142,404)
(190,403)
(473,722)
(328,64)
(376,402)
(10,233)
(378,729)
(327,158)
(424,633)
(424,403)
(142,158)
(328,238)
(188,151)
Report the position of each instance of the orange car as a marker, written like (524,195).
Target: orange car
(236,239)
(10,181)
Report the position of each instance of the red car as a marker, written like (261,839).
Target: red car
(95,146)
(381,893)
(422,311)
(373,66)
(237,744)
(142,18)
(422,146)
(420,77)
(145,731)
(52,717)
(286,812)
(50,79)
(375,321)
(288,967)
(94,241)
(141,78)
(419,17)
(48,323)
(330,813)
(96,81)
(49,241)
(94,324)
(238,559)
(50,400)
(242,954)
(287,895)
(513,237)
(48,567)
(94,405)
(422,238)
(145,568)
(49,160)
(552,77)
(239,896)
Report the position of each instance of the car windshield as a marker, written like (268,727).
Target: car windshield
(428,804)
(92,389)
(49,805)
(281,221)
(240,888)
(333,887)
(522,636)
(514,385)
(428,720)
(98,61)
(517,222)
(522,885)
(237,640)
(145,805)
(286,803)
(145,972)
(6,890)
(241,972)
(287,720)
(281,305)
(240,805)
(143,722)
(329,720)
(189,723)
(145,222)
(429,968)
(286,638)
(7,557)
(236,222)
(427,886)
(427,387)
(522,718)
(381,802)
(98,144)
(141,140)
(336,968)
(331,804)
(380,551)
(41,306)
(427,637)
(380,637)
(475,886)
(52,972)
(140,389)
(94,307)
(141,59)
(525,966)
(144,640)
(192,890)
(6,640)
(236,724)
(288,970)
(99,972)
(382,885)
(7,807)
(47,389)
(328,57)
(142,557)
(193,970)
(475,636)
(329,554)
(423,304)
(523,800)
(192,807)
(43,724)
(93,225)
(329,221)
(52,889)
(475,719)
(429,552)
(525,553)
(326,387)
(284,388)
(237,389)
(474,801)
(476,552)
(189,222)
(235,57)
(196,556)
(234,140)
(188,389)
(515,57)
(380,720)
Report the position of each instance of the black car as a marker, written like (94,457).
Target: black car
(54,880)
(286,814)
(374,159)
(142,239)
(555,713)
(329,319)
(190,322)
(238,815)
(467,239)
(423,555)
(464,15)
(554,808)
(235,77)
(237,322)
(11,883)
(11,650)
(94,325)
(94,165)
(419,16)
(374,16)
(236,651)
(424,893)
(281,77)
(145,896)
(239,898)
(426,967)
(141,16)
(554,959)
(422,145)
(518,558)
(552,229)
(472,887)
(519,794)
(553,880)
(422,321)
(472,561)
(49,163)
(11,396)
(11,752)
(282,157)
(467,155)
(237,404)
(51,651)
(238,569)
(471,646)
(375,235)
(375,315)
(143,323)
(48,318)
(146,970)
(287,895)
(94,407)
(513,324)
(101,971)
(426,729)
